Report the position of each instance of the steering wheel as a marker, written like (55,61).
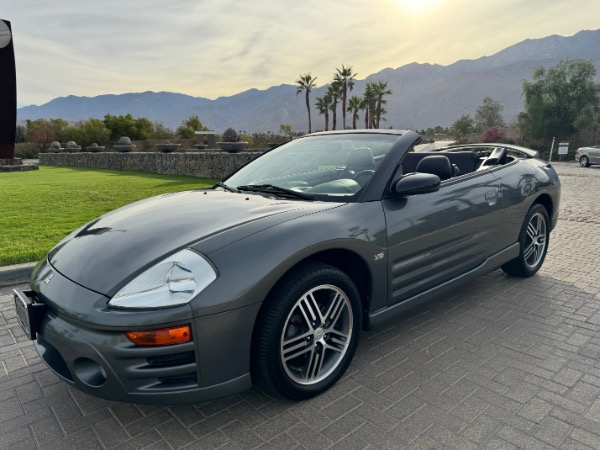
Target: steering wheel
(495,157)
(363,176)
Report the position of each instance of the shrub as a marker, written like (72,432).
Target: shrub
(26,150)
(246,138)
(491,134)
(124,141)
(229,135)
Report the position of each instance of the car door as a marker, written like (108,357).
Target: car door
(435,237)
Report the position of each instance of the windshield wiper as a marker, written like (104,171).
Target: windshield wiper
(224,186)
(276,190)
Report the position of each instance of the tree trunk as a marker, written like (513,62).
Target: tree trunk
(334,118)
(344,110)
(308,109)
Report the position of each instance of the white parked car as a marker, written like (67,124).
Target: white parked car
(588,155)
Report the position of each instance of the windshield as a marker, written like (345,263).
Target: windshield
(324,166)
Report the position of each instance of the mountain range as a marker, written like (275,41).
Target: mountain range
(424,95)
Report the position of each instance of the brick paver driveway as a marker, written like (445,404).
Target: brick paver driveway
(503,363)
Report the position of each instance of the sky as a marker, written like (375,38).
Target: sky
(213,48)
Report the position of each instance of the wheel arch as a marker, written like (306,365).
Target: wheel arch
(348,261)
(352,265)
(546,201)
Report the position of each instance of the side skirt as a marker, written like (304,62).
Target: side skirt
(490,264)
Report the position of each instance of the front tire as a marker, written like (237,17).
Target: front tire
(533,242)
(584,161)
(308,332)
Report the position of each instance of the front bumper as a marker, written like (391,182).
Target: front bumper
(106,364)
(98,359)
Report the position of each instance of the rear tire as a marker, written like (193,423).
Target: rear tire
(308,332)
(533,243)
(584,161)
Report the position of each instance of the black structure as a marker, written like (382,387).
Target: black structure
(8,97)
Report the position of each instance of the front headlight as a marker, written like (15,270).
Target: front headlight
(173,281)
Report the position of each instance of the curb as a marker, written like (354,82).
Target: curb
(16,274)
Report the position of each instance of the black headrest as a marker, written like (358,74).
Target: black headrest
(436,164)
(360,158)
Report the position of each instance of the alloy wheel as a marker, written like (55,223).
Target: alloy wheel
(535,241)
(316,334)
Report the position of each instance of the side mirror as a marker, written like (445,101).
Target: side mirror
(416,183)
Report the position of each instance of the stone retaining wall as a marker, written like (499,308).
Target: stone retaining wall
(197,164)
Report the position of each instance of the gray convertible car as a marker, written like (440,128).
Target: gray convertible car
(269,277)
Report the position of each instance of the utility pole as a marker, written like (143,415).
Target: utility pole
(551,149)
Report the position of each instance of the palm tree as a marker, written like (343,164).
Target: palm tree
(323,104)
(381,89)
(369,105)
(345,78)
(365,107)
(354,105)
(305,83)
(335,91)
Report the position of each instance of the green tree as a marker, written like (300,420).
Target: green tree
(432,131)
(161,131)
(355,104)
(73,132)
(345,78)
(144,128)
(323,104)
(334,90)
(188,128)
(127,125)
(94,130)
(589,118)
(20,134)
(555,98)
(287,130)
(120,126)
(306,83)
(462,128)
(489,114)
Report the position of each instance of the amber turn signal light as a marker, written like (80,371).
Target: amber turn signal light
(161,336)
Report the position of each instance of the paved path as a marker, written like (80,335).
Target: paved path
(503,363)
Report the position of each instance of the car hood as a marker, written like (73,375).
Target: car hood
(108,252)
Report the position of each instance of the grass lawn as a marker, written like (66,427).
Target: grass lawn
(39,208)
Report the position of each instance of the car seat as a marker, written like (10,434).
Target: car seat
(437,165)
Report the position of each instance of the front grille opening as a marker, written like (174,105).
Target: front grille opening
(175,359)
(183,379)
(53,358)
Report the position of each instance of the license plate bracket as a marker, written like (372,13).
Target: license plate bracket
(29,311)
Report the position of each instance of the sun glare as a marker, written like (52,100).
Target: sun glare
(418,6)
